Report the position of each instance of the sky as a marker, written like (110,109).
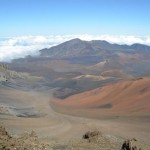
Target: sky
(59,17)
(26,26)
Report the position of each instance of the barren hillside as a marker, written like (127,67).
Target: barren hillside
(129,97)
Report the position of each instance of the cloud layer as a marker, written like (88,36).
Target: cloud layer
(19,47)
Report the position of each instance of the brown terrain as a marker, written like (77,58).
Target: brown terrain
(124,98)
(73,88)
(122,108)
(23,111)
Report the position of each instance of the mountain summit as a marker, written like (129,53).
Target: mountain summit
(77,47)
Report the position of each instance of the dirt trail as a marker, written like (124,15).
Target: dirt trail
(50,125)
(47,124)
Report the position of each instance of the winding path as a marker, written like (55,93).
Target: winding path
(50,125)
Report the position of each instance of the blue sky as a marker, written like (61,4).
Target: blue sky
(26,26)
(62,17)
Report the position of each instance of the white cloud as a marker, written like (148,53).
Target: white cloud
(118,39)
(16,47)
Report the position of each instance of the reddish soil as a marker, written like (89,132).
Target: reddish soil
(125,98)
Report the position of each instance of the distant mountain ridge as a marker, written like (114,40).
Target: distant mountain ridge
(77,47)
(77,57)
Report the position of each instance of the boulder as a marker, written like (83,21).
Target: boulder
(130,144)
(91,134)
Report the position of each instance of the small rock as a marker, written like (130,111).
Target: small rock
(91,134)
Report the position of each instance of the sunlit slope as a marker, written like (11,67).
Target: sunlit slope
(124,97)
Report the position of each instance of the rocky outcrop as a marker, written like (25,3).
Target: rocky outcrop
(91,140)
(4,66)
(4,72)
(9,75)
(131,144)
(91,134)
(28,141)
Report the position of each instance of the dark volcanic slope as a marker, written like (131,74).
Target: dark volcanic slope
(77,47)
